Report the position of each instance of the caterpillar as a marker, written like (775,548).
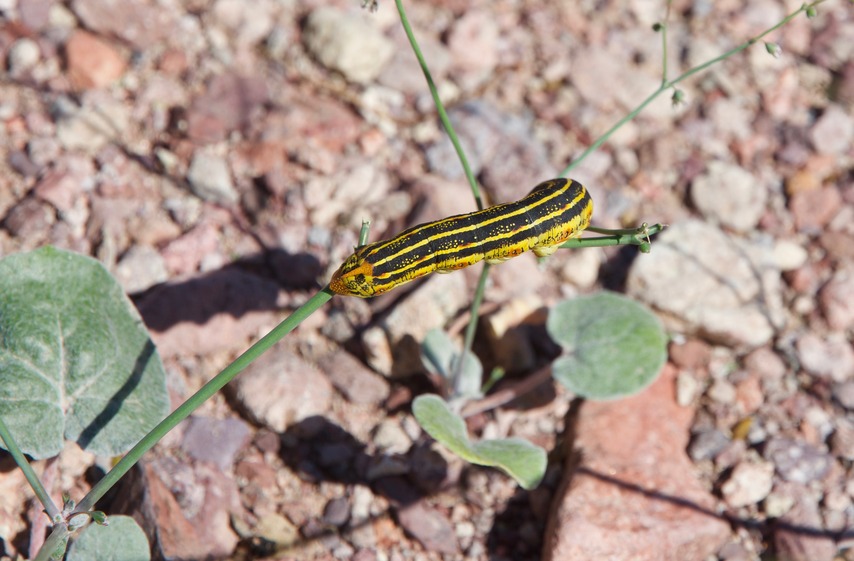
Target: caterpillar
(553,212)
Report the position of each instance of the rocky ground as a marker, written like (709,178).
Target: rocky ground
(219,156)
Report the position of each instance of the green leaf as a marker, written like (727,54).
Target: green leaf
(437,353)
(521,460)
(76,361)
(439,356)
(122,540)
(613,346)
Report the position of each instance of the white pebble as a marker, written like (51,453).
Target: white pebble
(23,55)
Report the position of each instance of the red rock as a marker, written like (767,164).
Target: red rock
(794,544)
(634,495)
(59,188)
(226,105)
(748,394)
(30,220)
(836,300)
(141,23)
(35,13)
(765,363)
(328,122)
(280,389)
(184,254)
(353,379)
(426,524)
(812,210)
(92,62)
(692,354)
(804,280)
(188,523)
(173,62)
(839,245)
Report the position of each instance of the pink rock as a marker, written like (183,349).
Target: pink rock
(328,122)
(765,363)
(35,13)
(839,245)
(59,189)
(225,106)
(814,209)
(693,354)
(138,22)
(353,379)
(634,495)
(473,42)
(748,394)
(836,301)
(280,389)
(184,254)
(92,62)
(184,510)
(795,544)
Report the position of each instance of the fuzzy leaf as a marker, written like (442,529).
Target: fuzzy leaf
(121,540)
(523,461)
(613,346)
(76,361)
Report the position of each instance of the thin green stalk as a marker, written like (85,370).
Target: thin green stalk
(206,391)
(363,233)
(443,116)
(440,107)
(471,328)
(56,542)
(687,74)
(33,479)
(636,236)
(664,43)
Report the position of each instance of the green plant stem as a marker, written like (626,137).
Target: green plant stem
(206,391)
(446,122)
(363,233)
(664,43)
(636,236)
(56,542)
(665,84)
(440,107)
(33,479)
(471,328)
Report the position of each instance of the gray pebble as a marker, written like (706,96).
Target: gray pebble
(844,394)
(730,195)
(347,43)
(141,268)
(796,461)
(707,444)
(337,512)
(210,178)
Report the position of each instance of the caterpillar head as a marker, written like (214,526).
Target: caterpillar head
(354,277)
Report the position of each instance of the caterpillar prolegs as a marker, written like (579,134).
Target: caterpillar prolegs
(553,212)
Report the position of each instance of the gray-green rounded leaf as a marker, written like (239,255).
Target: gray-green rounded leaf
(121,540)
(76,361)
(440,356)
(613,346)
(521,460)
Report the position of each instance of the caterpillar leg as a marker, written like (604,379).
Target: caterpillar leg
(546,250)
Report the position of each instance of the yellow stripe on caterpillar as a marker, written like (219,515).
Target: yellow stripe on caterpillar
(553,212)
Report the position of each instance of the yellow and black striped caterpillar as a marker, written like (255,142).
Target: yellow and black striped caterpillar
(553,212)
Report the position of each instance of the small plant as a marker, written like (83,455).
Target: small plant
(77,364)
